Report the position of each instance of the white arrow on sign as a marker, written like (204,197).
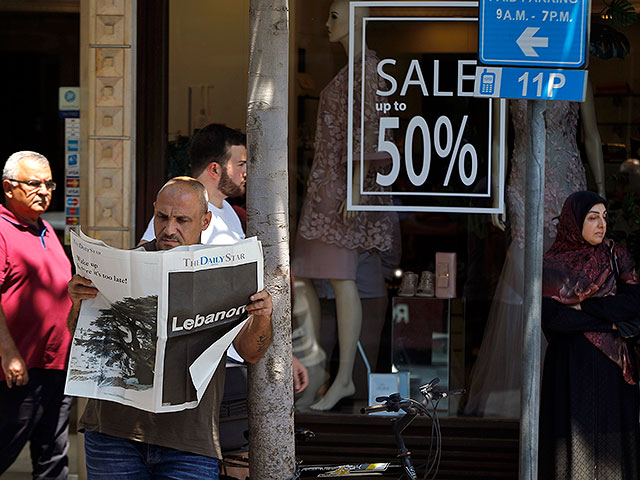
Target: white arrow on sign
(526,41)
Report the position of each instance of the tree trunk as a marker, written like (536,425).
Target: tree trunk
(272,452)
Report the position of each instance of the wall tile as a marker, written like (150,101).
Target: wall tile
(110,7)
(109,92)
(108,182)
(113,238)
(109,121)
(108,153)
(109,30)
(109,62)
(108,212)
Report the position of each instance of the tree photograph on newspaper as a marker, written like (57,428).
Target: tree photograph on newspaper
(161,322)
(125,335)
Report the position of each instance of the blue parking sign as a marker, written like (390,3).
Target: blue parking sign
(531,83)
(533,33)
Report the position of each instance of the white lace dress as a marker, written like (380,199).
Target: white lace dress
(495,384)
(326,246)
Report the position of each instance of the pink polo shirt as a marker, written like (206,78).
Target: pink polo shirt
(34,271)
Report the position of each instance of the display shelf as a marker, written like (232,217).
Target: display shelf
(618,119)
(428,342)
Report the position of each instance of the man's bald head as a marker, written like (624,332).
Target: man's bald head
(195,185)
(180,213)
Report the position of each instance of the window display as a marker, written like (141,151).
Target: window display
(493,394)
(329,236)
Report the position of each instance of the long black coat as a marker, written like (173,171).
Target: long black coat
(588,413)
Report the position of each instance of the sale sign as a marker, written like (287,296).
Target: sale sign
(439,146)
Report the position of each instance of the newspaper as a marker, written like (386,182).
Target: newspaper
(161,322)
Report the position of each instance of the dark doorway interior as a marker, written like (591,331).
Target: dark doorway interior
(39,53)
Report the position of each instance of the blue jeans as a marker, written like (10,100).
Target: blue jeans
(37,412)
(111,457)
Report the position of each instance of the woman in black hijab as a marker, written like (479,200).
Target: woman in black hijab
(589,402)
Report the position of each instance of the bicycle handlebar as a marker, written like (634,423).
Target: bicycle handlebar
(374,408)
(438,395)
(395,403)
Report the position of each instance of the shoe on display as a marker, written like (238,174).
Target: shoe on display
(426,285)
(408,285)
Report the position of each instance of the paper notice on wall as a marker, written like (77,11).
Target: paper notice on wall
(162,321)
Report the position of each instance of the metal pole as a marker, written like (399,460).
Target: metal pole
(533,250)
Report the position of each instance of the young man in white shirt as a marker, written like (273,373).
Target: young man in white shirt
(219,161)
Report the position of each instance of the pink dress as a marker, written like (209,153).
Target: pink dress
(495,382)
(563,170)
(326,246)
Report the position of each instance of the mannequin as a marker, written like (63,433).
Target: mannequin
(592,144)
(495,385)
(330,237)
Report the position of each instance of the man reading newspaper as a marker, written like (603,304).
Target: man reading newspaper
(126,443)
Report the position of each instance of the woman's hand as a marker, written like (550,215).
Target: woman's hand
(498,221)
(300,375)
(347,215)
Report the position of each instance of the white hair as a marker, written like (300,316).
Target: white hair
(12,164)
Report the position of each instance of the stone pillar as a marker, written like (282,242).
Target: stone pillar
(108,60)
(107,129)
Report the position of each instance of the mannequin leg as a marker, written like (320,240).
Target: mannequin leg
(313,304)
(349,319)
(307,310)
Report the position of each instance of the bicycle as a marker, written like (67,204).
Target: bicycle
(394,403)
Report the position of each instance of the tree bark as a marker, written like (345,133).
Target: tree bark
(270,398)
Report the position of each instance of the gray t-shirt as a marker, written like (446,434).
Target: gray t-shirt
(193,430)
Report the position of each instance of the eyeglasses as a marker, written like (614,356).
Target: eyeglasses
(36,184)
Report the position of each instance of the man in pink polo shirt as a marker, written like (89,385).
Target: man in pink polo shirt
(34,339)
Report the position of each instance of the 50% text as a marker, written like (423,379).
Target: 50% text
(418,125)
